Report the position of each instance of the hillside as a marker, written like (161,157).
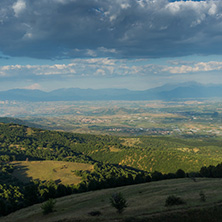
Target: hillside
(149,153)
(146,202)
(66,163)
(18,121)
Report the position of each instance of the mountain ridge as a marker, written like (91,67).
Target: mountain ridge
(167,92)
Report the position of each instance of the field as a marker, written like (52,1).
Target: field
(146,202)
(59,171)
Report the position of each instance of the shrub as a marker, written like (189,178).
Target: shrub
(48,206)
(202,196)
(95,213)
(174,200)
(118,201)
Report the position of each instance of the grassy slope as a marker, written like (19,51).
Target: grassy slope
(49,170)
(146,203)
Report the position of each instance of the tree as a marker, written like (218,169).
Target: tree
(48,206)
(157,176)
(118,201)
(180,174)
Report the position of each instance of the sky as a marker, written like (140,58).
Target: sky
(134,44)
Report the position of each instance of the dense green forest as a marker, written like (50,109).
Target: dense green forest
(117,161)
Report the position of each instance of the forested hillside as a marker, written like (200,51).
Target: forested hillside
(165,154)
(112,161)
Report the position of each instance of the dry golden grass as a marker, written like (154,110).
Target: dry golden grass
(130,141)
(49,170)
(29,131)
(114,150)
(17,146)
(143,200)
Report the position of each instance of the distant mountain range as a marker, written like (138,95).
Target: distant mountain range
(190,90)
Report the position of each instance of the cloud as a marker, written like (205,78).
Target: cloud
(78,67)
(107,72)
(60,29)
(197,67)
(33,86)
(18,7)
(106,67)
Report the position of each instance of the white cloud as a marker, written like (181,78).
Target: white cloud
(213,10)
(33,86)
(100,72)
(28,35)
(108,67)
(19,7)
(197,67)
(91,53)
(60,66)
(105,50)
(125,5)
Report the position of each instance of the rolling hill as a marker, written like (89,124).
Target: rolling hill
(146,202)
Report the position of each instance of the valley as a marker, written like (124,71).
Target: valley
(127,118)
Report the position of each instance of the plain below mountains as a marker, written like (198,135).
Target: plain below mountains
(166,93)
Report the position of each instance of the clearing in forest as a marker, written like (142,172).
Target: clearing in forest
(59,171)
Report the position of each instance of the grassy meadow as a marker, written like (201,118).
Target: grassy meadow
(60,171)
(146,202)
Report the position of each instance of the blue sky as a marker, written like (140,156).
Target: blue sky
(134,44)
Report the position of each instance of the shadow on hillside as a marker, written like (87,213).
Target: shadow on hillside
(20,172)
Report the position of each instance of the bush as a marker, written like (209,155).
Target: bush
(48,206)
(95,213)
(118,201)
(173,200)
(202,196)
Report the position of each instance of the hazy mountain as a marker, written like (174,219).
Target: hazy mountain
(89,94)
(23,95)
(193,91)
(188,90)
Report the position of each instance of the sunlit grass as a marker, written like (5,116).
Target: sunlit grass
(49,170)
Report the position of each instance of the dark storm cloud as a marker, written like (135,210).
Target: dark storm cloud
(57,29)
